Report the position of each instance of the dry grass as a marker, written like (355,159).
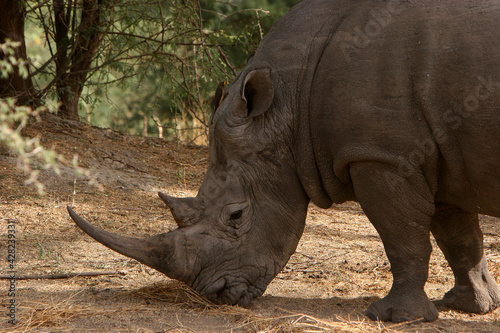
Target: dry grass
(38,316)
(246,319)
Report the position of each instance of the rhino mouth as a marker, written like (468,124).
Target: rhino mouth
(233,285)
(225,291)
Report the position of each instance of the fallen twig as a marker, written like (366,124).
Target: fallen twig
(55,276)
(123,208)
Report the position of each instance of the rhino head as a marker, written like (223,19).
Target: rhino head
(244,224)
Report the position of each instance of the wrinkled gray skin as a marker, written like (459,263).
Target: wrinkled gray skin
(395,104)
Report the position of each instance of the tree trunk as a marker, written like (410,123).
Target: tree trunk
(158,124)
(73,69)
(69,99)
(145,126)
(12,14)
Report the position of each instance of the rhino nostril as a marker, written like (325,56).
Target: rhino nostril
(245,299)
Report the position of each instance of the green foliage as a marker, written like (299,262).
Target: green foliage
(158,59)
(14,118)
(10,62)
(32,156)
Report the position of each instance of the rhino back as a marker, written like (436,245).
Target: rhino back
(415,86)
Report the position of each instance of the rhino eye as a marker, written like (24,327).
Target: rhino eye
(236,215)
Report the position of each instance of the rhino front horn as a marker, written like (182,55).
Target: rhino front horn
(182,209)
(155,251)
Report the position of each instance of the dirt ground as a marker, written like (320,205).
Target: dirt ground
(338,269)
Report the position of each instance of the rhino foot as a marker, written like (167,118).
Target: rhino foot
(458,235)
(403,308)
(480,297)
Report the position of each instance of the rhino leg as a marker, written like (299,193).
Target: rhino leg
(458,235)
(400,209)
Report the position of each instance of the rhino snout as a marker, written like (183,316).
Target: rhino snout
(233,293)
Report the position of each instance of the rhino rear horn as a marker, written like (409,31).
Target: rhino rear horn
(182,209)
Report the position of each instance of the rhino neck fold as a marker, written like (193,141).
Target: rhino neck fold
(294,61)
(304,153)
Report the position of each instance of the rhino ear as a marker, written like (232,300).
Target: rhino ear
(257,91)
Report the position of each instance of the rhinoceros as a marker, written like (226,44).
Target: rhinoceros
(393,104)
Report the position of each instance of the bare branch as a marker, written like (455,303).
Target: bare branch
(56,276)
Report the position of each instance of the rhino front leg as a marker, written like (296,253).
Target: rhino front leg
(458,235)
(400,209)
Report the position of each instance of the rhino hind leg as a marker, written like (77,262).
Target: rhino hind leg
(458,235)
(400,209)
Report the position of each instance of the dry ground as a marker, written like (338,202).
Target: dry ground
(339,268)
